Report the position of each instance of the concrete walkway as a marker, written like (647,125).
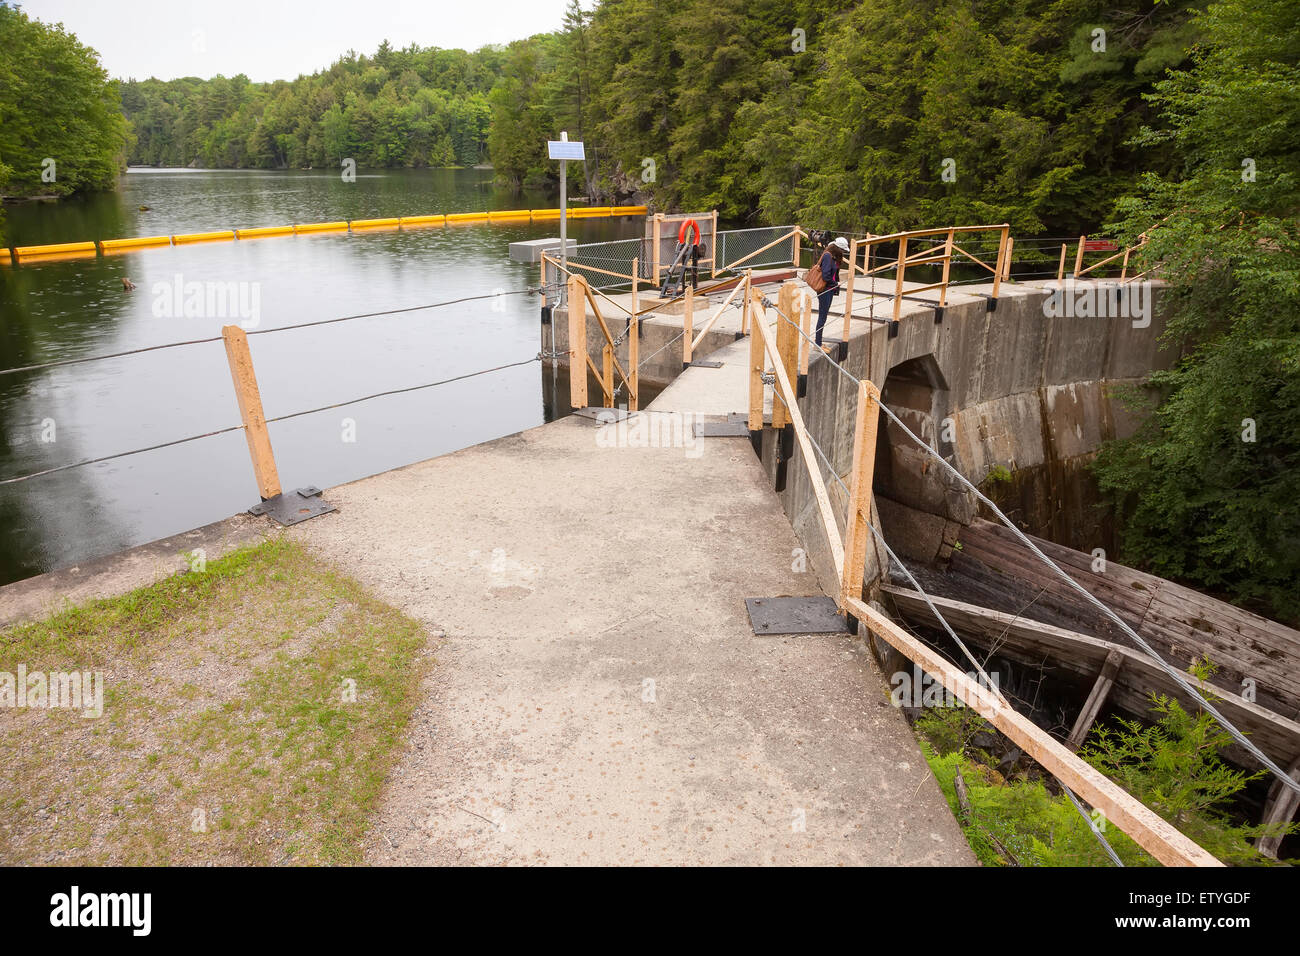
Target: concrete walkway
(599,697)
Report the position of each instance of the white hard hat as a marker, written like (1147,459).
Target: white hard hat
(841,243)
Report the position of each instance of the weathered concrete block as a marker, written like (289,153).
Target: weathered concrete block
(530,250)
(1075,416)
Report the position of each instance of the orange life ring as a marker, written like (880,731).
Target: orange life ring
(681,232)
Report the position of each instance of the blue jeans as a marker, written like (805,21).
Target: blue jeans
(823,309)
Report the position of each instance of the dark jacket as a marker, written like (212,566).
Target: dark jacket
(830,272)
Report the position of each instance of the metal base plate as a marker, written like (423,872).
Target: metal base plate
(704,365)
(795,615)
(291,507)
(595,413)
(721,430)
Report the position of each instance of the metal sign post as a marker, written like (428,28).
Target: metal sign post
(563,150)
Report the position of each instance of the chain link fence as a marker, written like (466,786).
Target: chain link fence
(607,266)
(735,244)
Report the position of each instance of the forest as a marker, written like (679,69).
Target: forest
(844,113)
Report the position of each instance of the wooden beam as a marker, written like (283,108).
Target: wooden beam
(761,249)
(805,323)
(713,247)
(757,363)
(1279,808)
(857,529)
(810,460)
(634,349)
(578,357)
(704,330)
(659,218)
(787,345)
(1030,641)
(1004,255)
(1096,699)
(898,279)
(607,375)
(1078,258)
(947,268)
(1147,828)
(604,328)
(688,319)
(1060,270)
(250,411)
(848,288)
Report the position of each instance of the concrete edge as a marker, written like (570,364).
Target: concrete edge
(125,571)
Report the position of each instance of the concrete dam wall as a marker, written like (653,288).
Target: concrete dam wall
(1018,399)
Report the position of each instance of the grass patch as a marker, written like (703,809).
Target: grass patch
(229,734)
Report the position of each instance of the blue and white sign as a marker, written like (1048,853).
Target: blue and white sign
(564,149)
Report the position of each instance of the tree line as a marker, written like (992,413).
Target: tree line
(61,126)
(398,108)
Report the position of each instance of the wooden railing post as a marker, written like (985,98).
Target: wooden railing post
(713,247)
(747,305)
(688,322)
(250,411)
(1060,270)
(805,323)
(1078,258)
(757,364)
(577,343)
(1004,252)
(787,345)
(798,247)
(848,288)
(857,531)
(654,254)
(947,266)
(634,349)
(898,280)
(1006,269)
(607,375)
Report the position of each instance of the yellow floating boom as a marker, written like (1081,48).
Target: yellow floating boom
(264,231)
(59,248)
(139,242)
(321,227)
(106,246)
(204,236)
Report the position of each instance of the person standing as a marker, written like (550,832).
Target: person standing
(829,263)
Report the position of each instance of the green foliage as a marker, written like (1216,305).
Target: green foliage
(998,475)
(849,124)
(1207,491)
(400,108)
(56,103)
(1172,765)
(1020,823)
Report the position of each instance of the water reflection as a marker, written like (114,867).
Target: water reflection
(58,310)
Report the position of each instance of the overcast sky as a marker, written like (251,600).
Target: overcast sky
(279,39)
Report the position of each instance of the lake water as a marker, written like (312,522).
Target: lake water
(60,310)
